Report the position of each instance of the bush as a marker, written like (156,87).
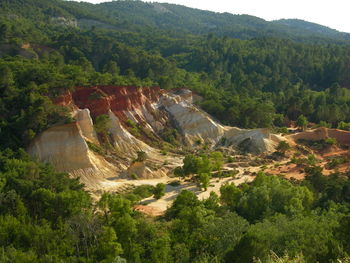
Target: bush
(134,176)
(283,146)
(102,124)
(283,130)
(323,124)
(344,126)
(134,128)
(174,183)
(336,162)
(141,156)
(96,95)
(231,159)
(330,141)
(179,171)
(144,191)
(95,148)
(159,191)
(198,142)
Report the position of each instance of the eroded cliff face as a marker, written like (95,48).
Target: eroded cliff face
(127,103)
(153,109)
(196,124)
(193,123)
(66,149)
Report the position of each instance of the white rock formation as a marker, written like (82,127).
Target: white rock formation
(124,142)
(196,124)
(141,170)
(193,123)
(65,148)
(255,140)
(86,125)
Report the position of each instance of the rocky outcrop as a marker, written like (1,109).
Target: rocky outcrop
(193,123)
(63,146)
(85,124)
(254,141)
(196,125)
(138,170)
(67,146)
(124,142)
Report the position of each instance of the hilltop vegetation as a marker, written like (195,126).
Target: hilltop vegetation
(250,73)
(261,82)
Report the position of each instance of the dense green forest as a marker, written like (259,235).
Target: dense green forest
(261,82)
(47,217)
(247,77)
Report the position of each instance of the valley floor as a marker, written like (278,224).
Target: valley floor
(155,207)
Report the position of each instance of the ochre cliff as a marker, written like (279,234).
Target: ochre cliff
(66,149)
(153,109)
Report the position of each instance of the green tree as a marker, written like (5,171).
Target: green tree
(302,122)
(204,180)
(159,191)
(102,124)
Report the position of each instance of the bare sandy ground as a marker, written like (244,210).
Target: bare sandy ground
(156,207)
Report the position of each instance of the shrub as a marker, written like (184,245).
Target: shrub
(141,156)
(283,130)
(344,126)
(144,191)
(102,124)
(175,183)
(134,176)
(159,191)
(198,142)
(231,159)
(134,128)
(283,146)
(95,148)
(179,171)
(336,162)
(330,141)
(96,95)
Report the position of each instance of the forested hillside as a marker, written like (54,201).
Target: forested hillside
(249,73)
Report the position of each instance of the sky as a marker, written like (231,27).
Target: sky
(331,13)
